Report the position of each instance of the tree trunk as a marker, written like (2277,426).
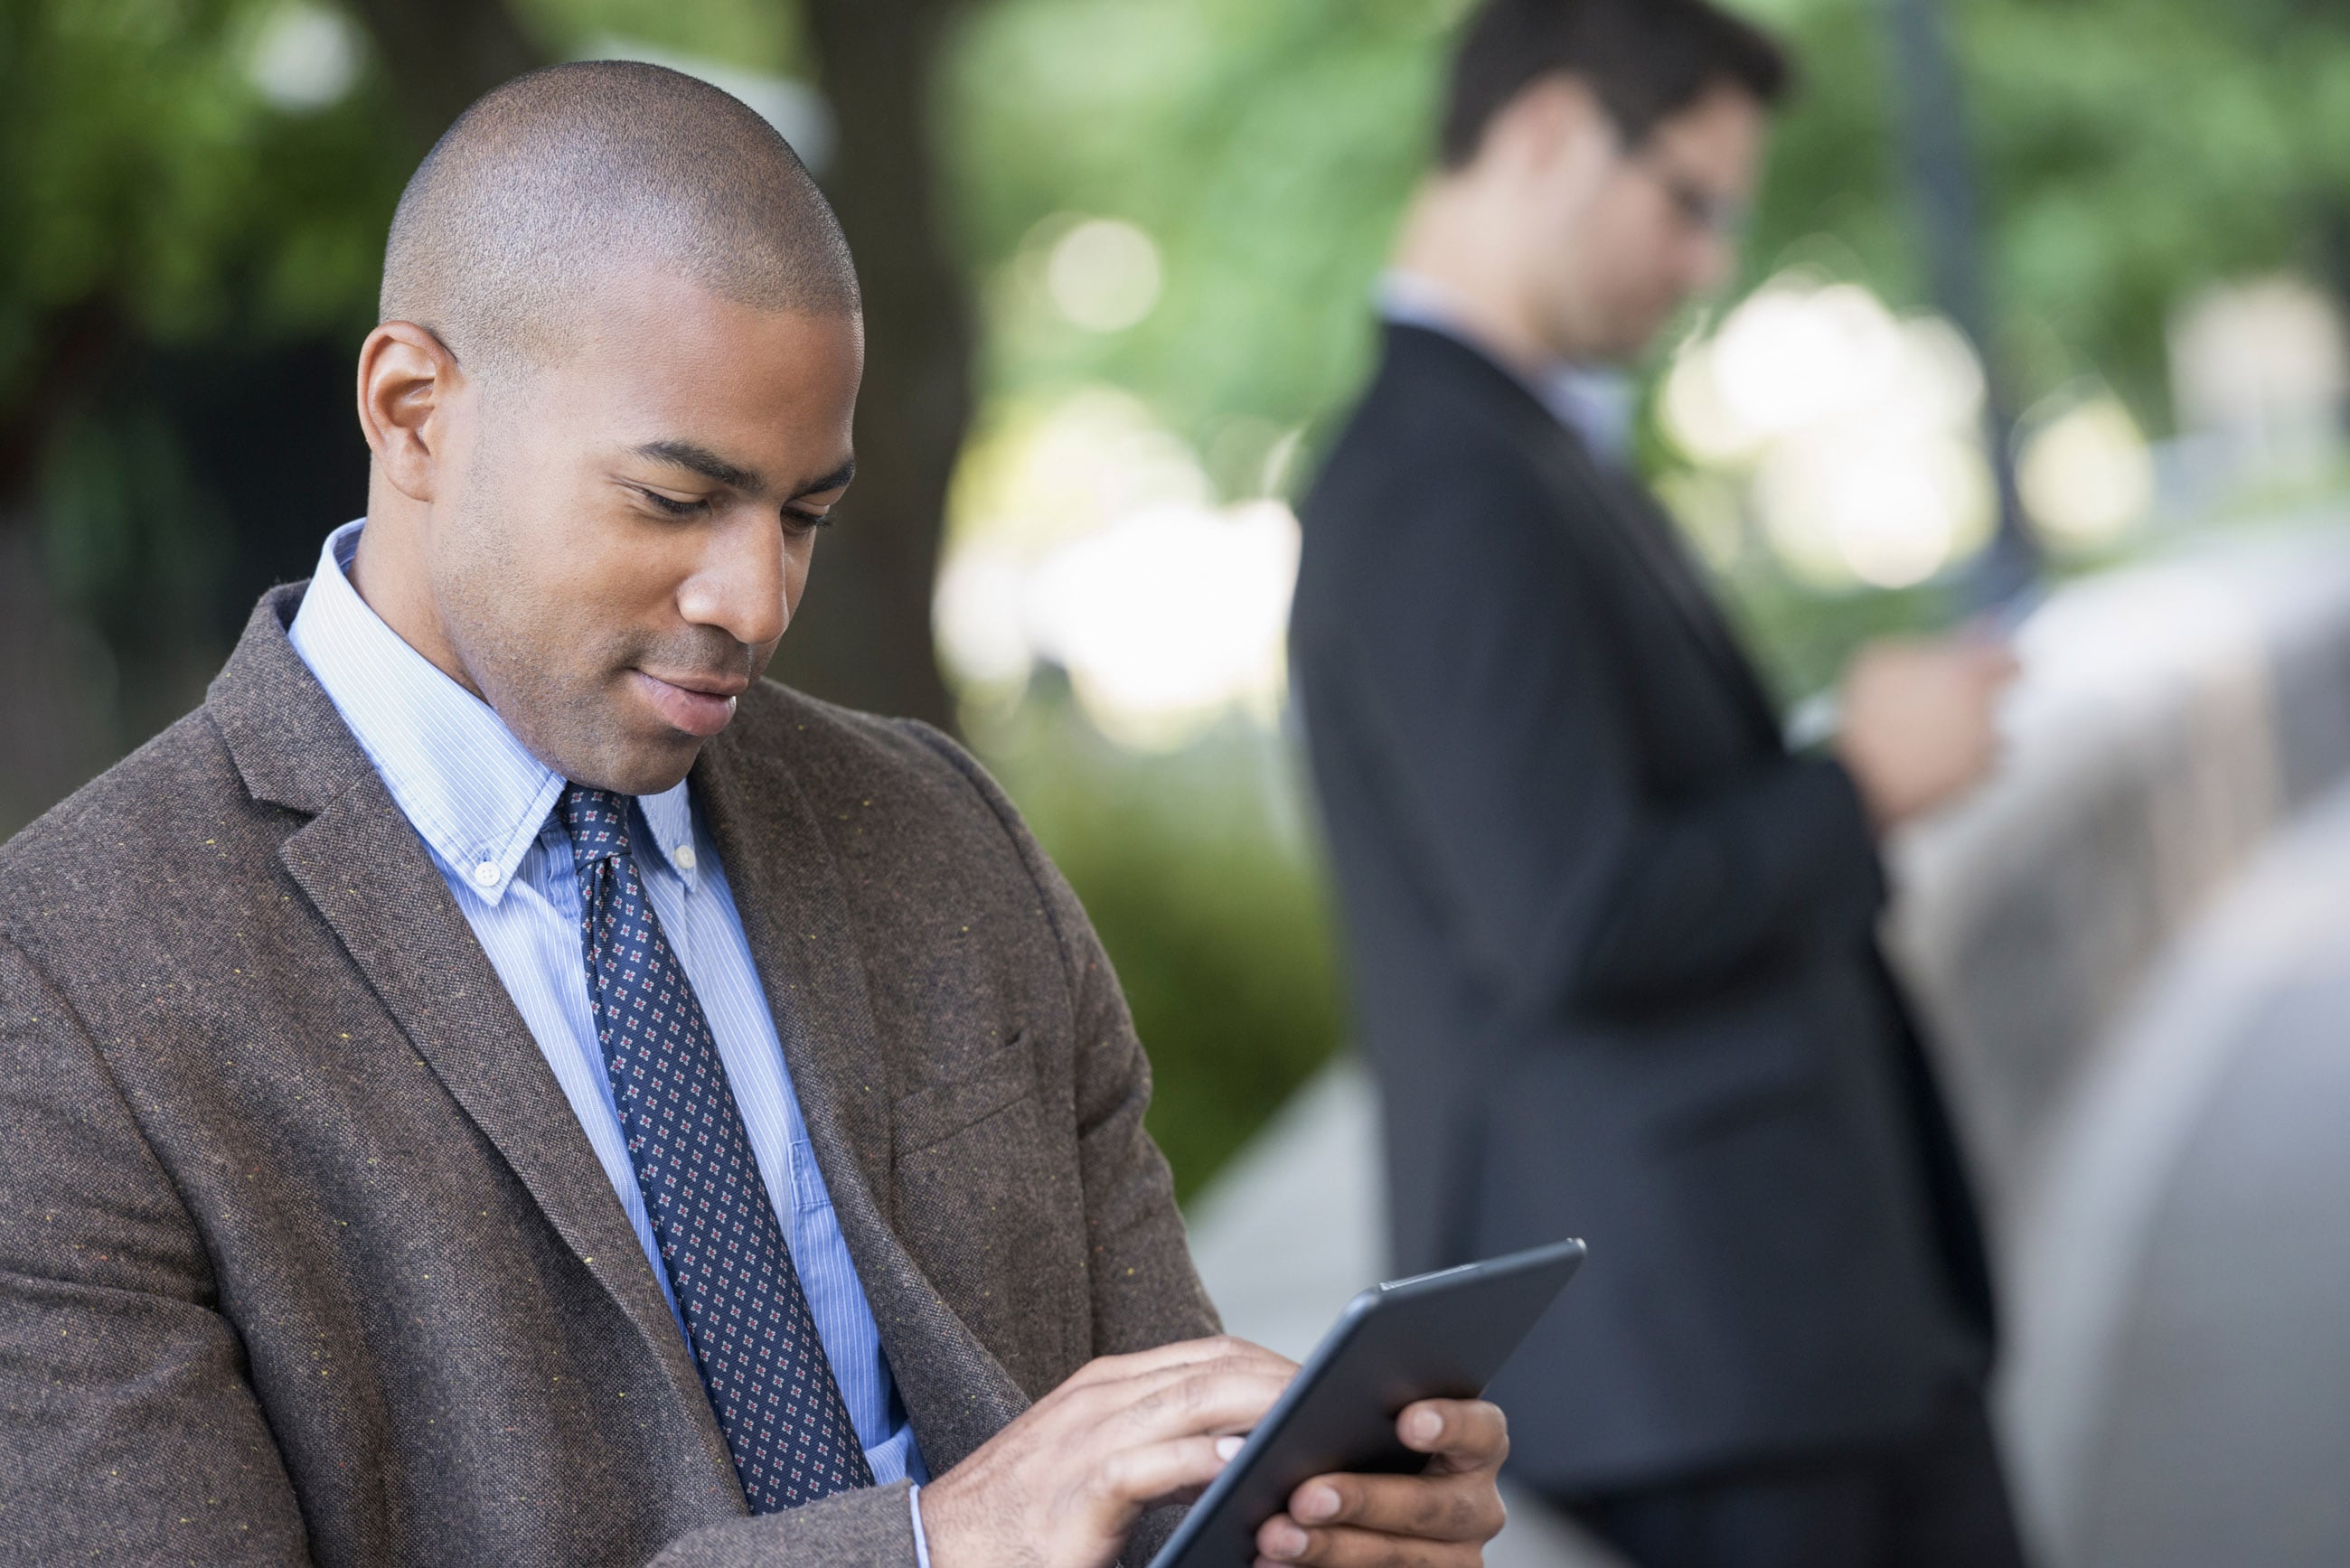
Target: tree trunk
(863,636)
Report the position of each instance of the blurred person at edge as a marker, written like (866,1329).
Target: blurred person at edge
(1614,942)
(500,1083)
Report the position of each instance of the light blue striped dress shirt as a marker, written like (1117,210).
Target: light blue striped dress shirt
(485,808)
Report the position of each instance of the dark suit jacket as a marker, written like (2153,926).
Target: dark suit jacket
(1614,953)
(303,1256)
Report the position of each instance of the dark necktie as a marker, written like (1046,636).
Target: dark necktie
(745,1314)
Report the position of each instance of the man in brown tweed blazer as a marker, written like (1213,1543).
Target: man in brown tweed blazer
(308,1252)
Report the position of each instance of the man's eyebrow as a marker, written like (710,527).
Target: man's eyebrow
(705,463)
(837,479)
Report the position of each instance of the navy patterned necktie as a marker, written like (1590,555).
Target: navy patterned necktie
(745,1313)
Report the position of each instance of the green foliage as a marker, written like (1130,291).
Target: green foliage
(1266,148)
(140,166)
(1198,873)
(750,34)
(2128,152)
(143,172)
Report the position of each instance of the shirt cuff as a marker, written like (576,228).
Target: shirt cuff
(921,1541)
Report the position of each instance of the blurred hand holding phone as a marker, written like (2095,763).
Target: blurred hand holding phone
(1915,720)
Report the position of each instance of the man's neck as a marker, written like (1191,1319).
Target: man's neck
(1445,247)
(388,572)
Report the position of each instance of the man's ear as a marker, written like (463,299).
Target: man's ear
(1556,118)
(409,384)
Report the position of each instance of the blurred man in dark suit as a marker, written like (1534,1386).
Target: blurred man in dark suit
(1614,942)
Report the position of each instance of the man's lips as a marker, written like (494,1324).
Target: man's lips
(698,704)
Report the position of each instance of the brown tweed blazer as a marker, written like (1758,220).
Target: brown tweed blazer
(303,1257)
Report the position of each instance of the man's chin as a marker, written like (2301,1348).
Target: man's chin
(640,778)
(644,759)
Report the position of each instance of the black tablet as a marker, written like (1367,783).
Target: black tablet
(1435,1336)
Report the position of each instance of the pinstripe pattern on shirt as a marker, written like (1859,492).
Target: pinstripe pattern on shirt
(484,809)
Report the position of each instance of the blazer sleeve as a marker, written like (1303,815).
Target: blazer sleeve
(1471,652)
(127,1427)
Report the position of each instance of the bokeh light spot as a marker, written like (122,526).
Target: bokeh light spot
(1104,274)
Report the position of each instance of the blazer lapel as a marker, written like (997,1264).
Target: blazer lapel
(373,883)
(795,914)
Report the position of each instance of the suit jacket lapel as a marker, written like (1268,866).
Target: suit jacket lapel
(1625,520)
(1632,523)
(372,881)
(796,915)
(1667,560)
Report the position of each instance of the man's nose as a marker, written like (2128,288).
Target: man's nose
(738,586)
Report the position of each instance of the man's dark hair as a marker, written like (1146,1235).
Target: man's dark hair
(1645,60)
(550,185)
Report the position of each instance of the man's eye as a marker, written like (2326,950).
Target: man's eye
(800,522)
(672,505)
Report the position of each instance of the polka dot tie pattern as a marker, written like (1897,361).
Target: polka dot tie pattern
(745,1314)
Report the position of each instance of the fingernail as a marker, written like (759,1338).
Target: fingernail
(1227,1447)
(1426,1426)
(1284,1540)
(1314,1504)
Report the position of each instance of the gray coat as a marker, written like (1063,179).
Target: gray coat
(303,1258)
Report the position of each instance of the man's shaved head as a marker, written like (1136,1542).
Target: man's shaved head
(612,401)
(568,177)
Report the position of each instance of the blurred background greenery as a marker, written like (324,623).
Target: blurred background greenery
(1118,257)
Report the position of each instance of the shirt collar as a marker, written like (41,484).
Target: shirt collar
(473,792)
(1596,404)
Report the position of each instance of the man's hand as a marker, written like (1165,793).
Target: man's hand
(1061,1486)
(1442,1516)
(1918,723)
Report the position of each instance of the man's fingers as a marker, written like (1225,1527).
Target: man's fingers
(1283,1540)
(1172,1471)
(1457,1507)
(1110,1383)
(1213,1397)
(1463,1433)
(1160,1358)
(1184,1400)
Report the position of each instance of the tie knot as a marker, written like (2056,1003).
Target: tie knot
(598,821)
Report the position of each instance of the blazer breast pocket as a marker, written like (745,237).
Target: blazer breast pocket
(989,1204)
(1001,1078)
